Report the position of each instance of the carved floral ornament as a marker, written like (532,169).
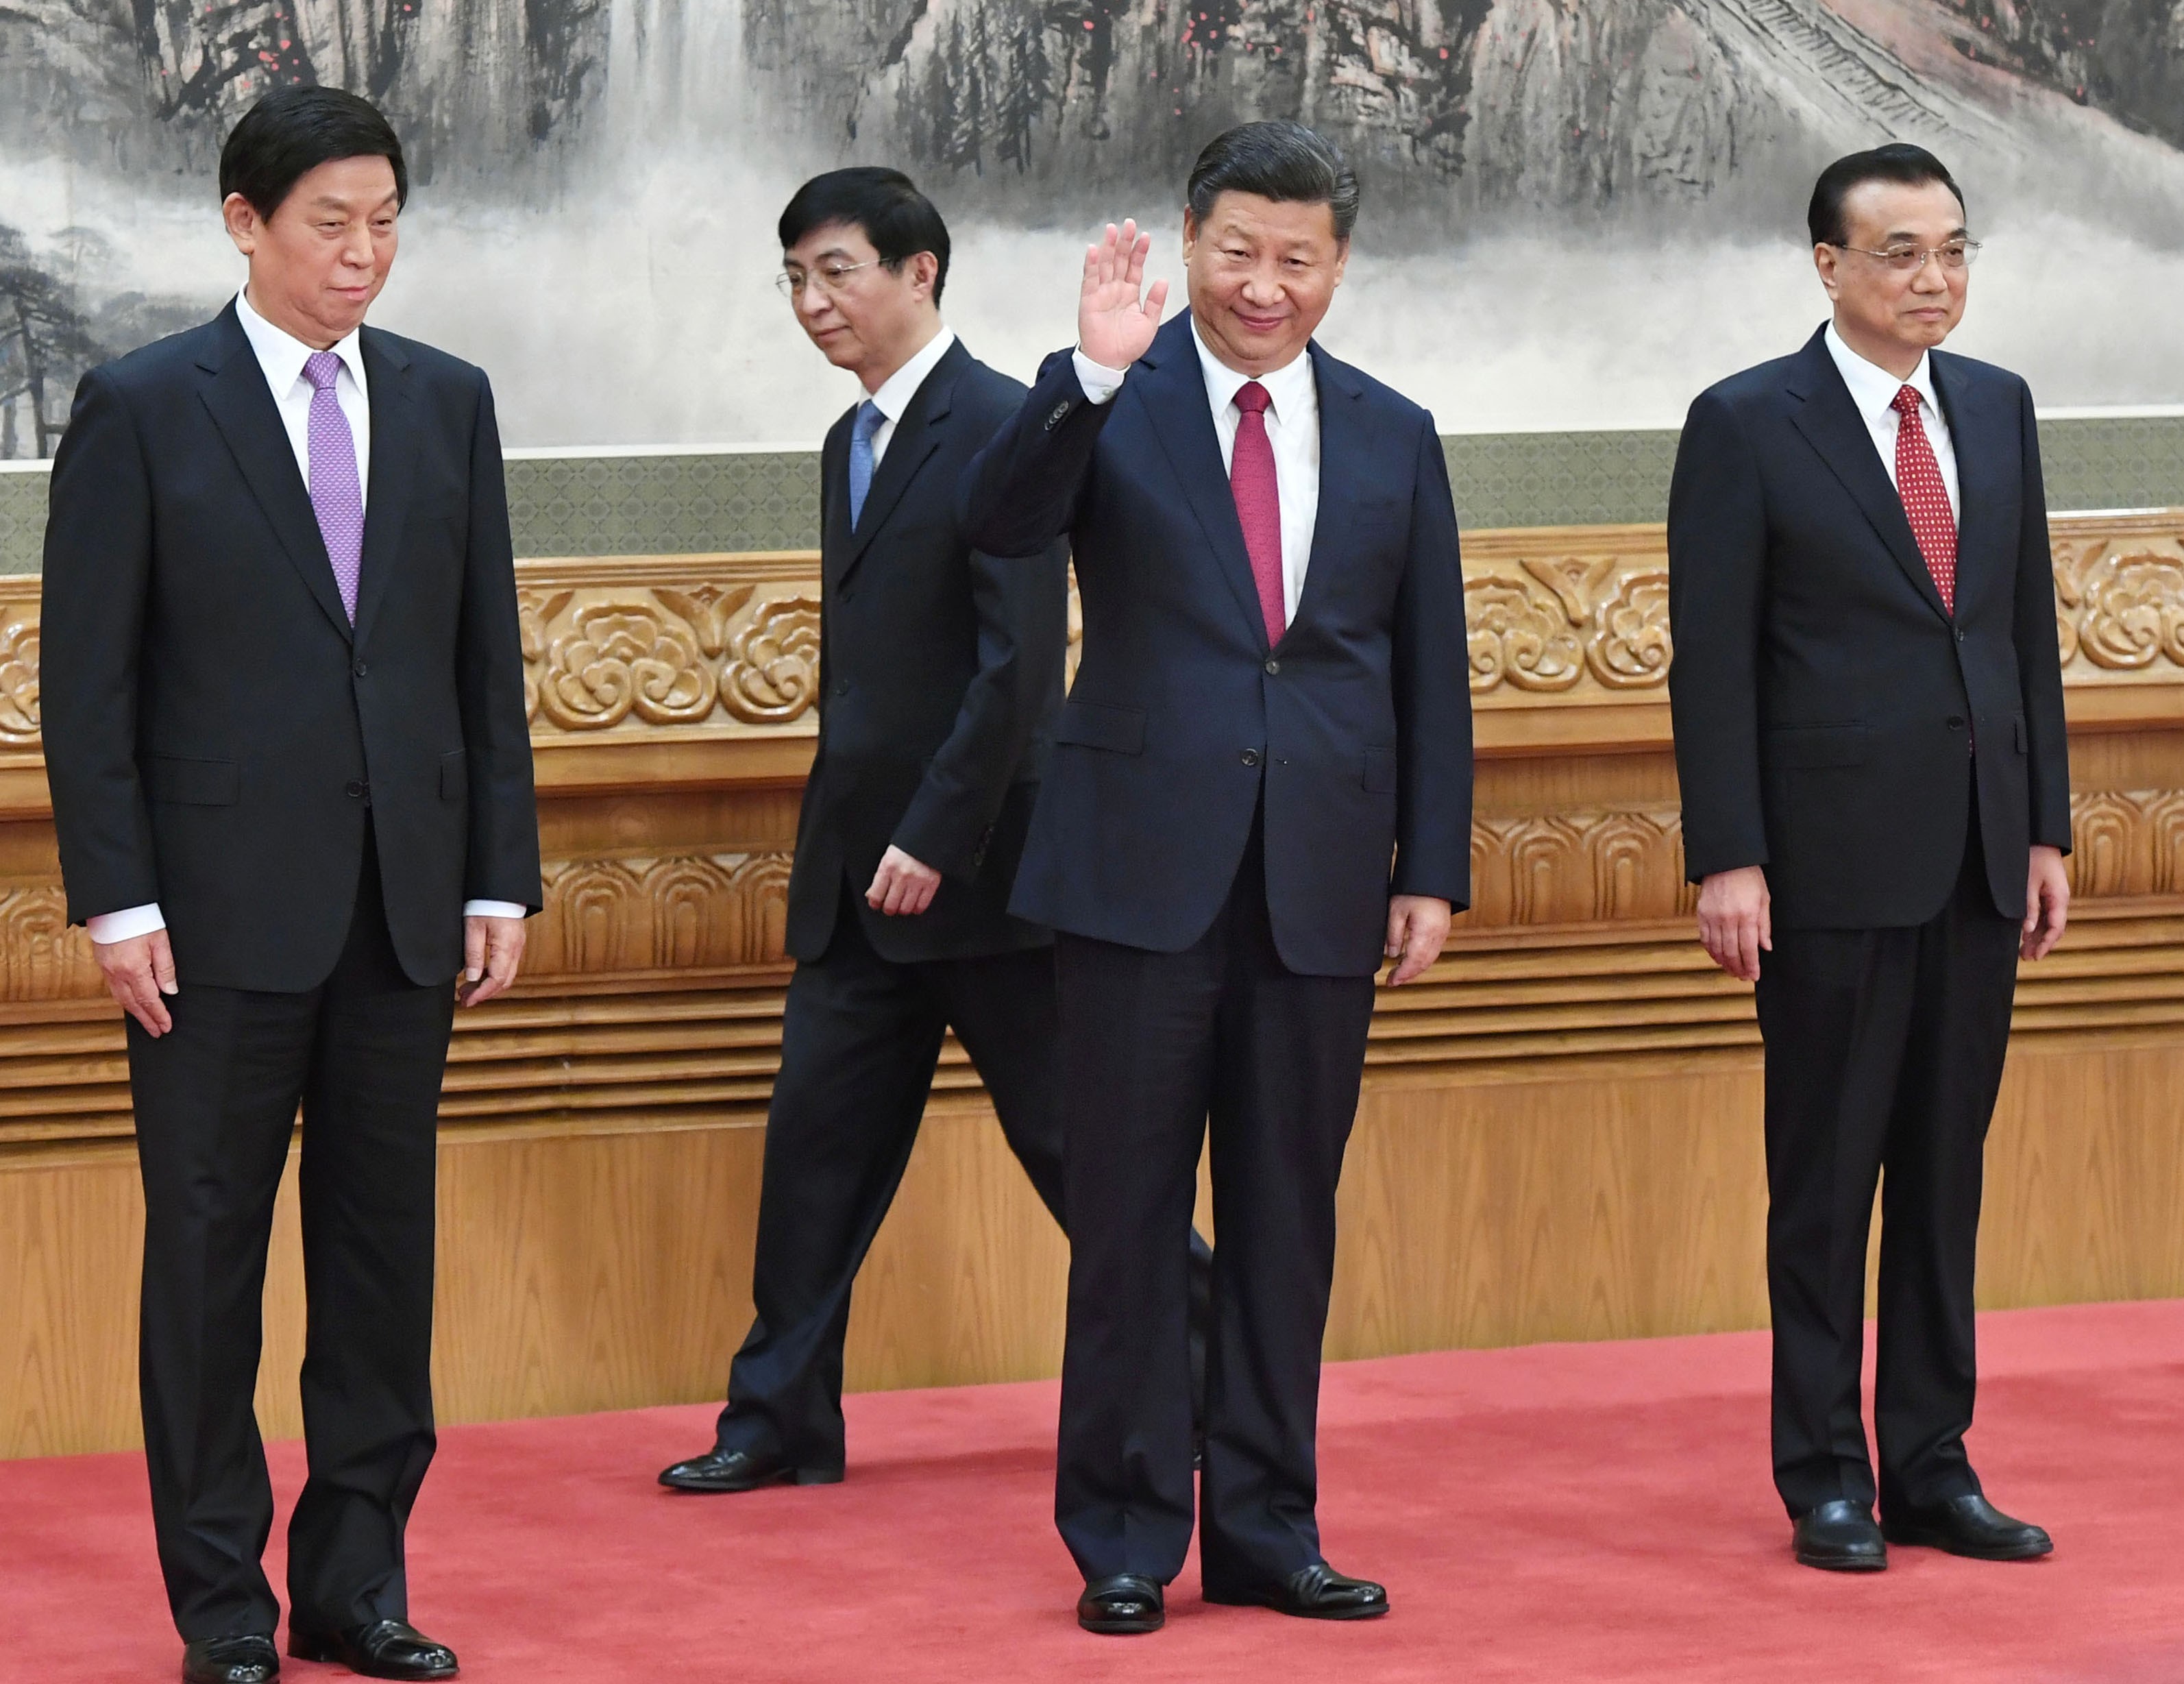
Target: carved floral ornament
(593,658)
(643,644)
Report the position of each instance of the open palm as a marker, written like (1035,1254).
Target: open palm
(1116,318)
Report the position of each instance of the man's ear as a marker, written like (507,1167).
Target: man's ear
(1827,260)
(924,271)
(243,225)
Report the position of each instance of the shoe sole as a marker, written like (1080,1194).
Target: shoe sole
(1940,1541)
(1370,1612)
(1842,1563)
(1122,1628)
(786,1476)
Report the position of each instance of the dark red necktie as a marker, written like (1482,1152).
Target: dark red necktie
(1926,497)
(1259,503)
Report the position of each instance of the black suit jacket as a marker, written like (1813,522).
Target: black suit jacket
(943,675)
(214,726)
(1357,726)
(1825,701)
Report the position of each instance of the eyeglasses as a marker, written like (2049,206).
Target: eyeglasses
(1957,254)
(827,277)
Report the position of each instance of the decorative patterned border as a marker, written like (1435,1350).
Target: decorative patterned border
(671,504)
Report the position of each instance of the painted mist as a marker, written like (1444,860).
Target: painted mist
(1578,211)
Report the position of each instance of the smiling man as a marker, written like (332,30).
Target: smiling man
(284,727)
(1260,787)
(1876,802)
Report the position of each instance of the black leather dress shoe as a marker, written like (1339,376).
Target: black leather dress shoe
(1122,1605)
(231,1660)
(1968,1526)
(1314,1592)
(1840,1536)
(386,1649)
(722,1470)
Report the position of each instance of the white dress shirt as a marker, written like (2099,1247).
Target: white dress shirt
(281,356)
(900,387)
(1873,389)
(1292,429)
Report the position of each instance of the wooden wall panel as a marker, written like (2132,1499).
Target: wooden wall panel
(1560,1133)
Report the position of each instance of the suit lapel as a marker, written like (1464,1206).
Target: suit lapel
(1341,470)
(834,500)
(1171,388)
(916,436)
(1823,412)
(393,459)
(244,412)
(1984,443)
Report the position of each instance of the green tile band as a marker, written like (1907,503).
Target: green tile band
(678,504)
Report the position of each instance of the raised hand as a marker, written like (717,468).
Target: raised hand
(1116,318)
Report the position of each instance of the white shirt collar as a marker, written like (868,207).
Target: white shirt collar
(900,387)
(1291,386)
(1873,389)
(282,355)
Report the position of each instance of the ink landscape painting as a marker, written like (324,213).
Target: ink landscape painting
(1576,212)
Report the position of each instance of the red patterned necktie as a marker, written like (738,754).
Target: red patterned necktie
(1259,503)
(1926,497)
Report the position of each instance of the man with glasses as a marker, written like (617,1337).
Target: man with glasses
(1870,736)
(943,674)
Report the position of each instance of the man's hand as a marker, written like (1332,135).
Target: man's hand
(902,887)
(1418,924)
(493,953)
(1115,326)
(1735,923)
(2047,902)
(137,972)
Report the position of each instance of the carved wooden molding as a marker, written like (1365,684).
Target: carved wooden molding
(1581,613)
(622,648)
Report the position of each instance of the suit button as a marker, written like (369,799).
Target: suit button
(352,789)
(841,687)
(1054,416)
(1956,721)
(360,669)
(1960,635)
(1273,668)
(1250,756)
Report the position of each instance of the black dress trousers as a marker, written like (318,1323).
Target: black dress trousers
(860,1038)
(215,1100)
(1159,1049)
(1884,1051)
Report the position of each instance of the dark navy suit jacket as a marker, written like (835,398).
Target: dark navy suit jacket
(1832,717)
(1355,728)
(943,672)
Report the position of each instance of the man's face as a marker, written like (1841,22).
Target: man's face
(1904,309)
(1262,274)
(863,315)
(318,262)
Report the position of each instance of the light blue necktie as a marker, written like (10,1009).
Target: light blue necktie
(870,418)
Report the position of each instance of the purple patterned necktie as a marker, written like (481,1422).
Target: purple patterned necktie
(337,496)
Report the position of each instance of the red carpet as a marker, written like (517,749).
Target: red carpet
(1583,1511)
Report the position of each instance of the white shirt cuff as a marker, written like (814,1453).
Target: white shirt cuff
(108,928)
(1100,381)
(494,909)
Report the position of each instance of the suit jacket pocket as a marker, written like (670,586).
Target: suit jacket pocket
(193,783)
(1094,725)
(454,775)
(1380,771)
(1817,745)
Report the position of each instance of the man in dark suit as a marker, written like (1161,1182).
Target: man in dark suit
(1272,707)
(290,776)
(943,670)
(1869,718)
